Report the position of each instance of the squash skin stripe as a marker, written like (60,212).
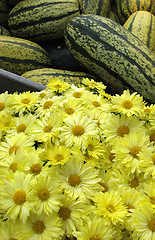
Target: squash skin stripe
(149,32)
(26,9)
(131,23)
(43,20)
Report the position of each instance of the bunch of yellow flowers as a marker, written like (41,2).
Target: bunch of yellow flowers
(76,163)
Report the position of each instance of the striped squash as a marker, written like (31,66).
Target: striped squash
(4,31)
(98,7)
(43,75)
(125,8)
(142,25)
(113,54)
(19,55)
(42,20)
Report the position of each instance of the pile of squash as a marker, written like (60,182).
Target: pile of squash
(112,41)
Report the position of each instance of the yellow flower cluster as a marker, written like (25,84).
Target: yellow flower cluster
(76,163)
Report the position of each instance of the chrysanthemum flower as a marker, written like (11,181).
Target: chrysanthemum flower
(147,158)
(78,179)
(71,213)
(127,151)
(5,104)
(76,130)
(127,104)
(95,229)
(57,85)
(47,127)
(94,148)
(17,142)
(108,182)
(21,124)
(45,195)
(92,84)
(7,230)
(40,227)
(34,165)
(69,106)
(149,190)
(94,101)
(6,122)
(24,101)
(76,92)
(56,155)
(48,105)
(12,163)
(15,197)
(116,127)
(111,206)
(143,223)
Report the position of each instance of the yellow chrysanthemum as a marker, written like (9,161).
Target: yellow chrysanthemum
(69,106)
(94,101)
(21,124)
(17,142)
(111,206)
(15,197)
(12,163)
(57,85)
(143,223)
(6,123)
(76,130)
(5,104)
(45,195)
(40,227)
(94,148)
(47,128)
(56,155)
(78,179)
(71,213)
(116,127)
(76,93)
(127,104)
(149,190)
(48,105)
(95,229)
(24,101)
(92,84)
(147,158)
(127,151)
(7,230)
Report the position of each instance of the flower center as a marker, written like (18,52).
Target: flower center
(69,111)
(112,156)
(13,166)
(134,151)
(21,128)
(151,225)
(96,104)
(64,213)
(110,208)
(47,128)
(2,106)
(44,194)
(78,130)
(105,187)
(94,238)
(123,130)
(77,94)
(152,138)
(59,157)
(57,86)
(134,183)
(48,104)
(127,104)
(90,147)
(42,95)
(36,168)
(13,149)
(25,100)
(38,227)
(19,197)
(152,200)
(153,158)
(12,238)
(129,207)
(74,180)
(147,110)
